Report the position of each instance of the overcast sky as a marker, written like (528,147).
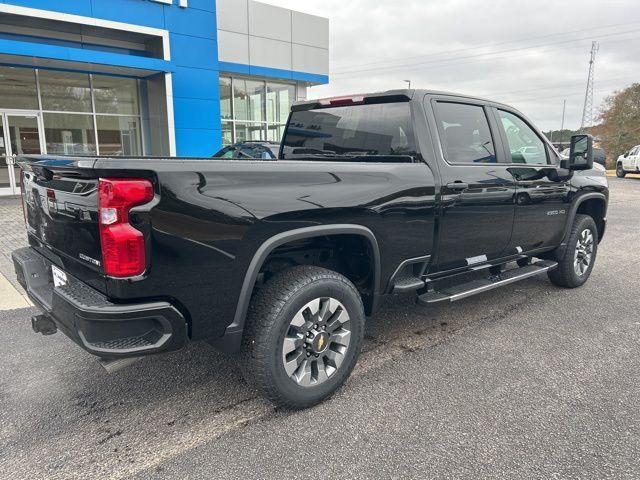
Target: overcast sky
(530,54)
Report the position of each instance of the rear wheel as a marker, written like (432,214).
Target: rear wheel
(620,173)
(575,267)
(303,335)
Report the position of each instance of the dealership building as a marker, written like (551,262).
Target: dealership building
(150,77)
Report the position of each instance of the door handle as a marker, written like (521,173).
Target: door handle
(457,185)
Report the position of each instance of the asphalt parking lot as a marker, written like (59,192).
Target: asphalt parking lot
(530,381)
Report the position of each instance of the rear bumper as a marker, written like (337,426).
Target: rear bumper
(88,318)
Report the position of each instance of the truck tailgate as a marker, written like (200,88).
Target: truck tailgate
(61,212)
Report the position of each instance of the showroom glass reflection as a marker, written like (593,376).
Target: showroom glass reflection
(254,109)
(74,106)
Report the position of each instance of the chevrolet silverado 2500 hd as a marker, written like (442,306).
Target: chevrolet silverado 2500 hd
(416,191)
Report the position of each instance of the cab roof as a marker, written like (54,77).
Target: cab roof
(400,95)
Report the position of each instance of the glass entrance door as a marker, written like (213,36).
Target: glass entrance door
(6,185)
(20,134)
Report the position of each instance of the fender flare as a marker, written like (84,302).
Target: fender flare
(574,210)
(231,340)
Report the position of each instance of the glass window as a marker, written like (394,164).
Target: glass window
(253,109)
(18,88)
(248,100)
(225,153)
(227,133)
(382,129)
(225,98)
(65,91)
(250,132)
(279,99)
(23,135)
(525,145)
(68,134)
(119,135)
(115,95)
(467,137)
(275,133)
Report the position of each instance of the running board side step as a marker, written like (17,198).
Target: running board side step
(464,290)
(408,284)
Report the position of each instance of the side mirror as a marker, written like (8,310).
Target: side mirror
(581,156)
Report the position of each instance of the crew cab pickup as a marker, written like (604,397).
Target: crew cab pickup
(437,195)
(629,162)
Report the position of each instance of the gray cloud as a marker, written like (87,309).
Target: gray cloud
(532,55)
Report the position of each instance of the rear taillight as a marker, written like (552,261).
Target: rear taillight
(123,248)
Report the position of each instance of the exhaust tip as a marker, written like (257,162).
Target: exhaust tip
(114,365)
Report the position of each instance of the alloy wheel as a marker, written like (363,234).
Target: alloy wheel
(316,342)
(583,252)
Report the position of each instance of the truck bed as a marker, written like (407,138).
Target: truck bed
(209,217)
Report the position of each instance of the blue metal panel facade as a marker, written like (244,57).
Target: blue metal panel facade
(194,64)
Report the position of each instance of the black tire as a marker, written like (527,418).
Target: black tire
(566,275)
(620,173)
(269,320)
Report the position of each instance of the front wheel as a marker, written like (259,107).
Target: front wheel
(620,173)
(575,266)
(303,335)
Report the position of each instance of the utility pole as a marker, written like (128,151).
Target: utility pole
(587,111)
(409,84)
(564,109)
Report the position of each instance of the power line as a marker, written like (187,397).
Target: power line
(492,44)
(451,61)
(603,82)
(548,97)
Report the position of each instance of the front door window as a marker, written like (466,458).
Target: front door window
(525,145)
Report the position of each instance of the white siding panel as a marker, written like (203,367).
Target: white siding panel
(269,21)
(233,47)
(270,53)
(310,59)
(310,30)
(232,15)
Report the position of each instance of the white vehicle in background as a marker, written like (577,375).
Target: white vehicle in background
(628,162)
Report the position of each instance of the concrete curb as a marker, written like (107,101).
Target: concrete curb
(612,173)
(11,298)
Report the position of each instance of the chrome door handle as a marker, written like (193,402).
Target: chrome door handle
(457,186)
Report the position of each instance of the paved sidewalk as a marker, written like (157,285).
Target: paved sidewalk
(10,298)
(12,236)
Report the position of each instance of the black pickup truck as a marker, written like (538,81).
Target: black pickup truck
(415,191)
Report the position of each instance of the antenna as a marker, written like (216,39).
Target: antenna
(587,111)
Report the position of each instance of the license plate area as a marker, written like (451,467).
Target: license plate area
(59,277)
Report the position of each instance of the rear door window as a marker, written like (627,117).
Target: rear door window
(524,143)
(466,132)
(383,130)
